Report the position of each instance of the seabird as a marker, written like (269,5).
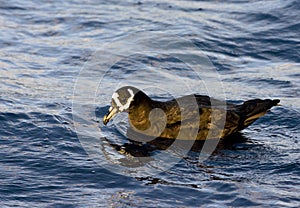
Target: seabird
(166,119)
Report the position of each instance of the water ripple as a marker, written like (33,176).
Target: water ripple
(44,44)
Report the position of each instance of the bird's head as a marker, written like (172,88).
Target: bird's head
(121,101)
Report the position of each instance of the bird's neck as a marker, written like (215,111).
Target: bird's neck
(139,111)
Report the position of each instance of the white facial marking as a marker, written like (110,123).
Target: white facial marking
(122,107)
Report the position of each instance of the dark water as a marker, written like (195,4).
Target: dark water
(254,46)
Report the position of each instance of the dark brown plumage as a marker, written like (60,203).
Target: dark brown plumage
(190,117)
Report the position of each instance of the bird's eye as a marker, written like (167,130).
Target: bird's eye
(113,103)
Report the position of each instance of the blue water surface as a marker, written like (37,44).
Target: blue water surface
(255,48)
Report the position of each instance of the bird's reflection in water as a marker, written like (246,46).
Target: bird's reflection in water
(139,145)
(138,151)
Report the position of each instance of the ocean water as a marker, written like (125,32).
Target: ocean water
(61,61)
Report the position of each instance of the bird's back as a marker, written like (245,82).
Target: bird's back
(221,118)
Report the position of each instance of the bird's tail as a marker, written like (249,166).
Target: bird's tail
(254,109)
